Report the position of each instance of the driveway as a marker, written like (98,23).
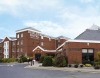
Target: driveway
(16,70)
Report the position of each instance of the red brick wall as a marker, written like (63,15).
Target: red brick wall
(74,50)
(1,48)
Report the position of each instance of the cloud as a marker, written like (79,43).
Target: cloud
(47,27)
(73,21)
(78,19)
(20,6)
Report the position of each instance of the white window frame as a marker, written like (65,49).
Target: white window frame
(17,42)
(21,42)
(90,50)
(17,49)
(6,49)
(49,39)
(42,43)
(42,37)
(17,35)
(21,34)
(13,43)
(84,50)
(21,50)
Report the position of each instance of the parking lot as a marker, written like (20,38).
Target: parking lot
(18,71)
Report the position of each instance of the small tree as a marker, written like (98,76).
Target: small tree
(60,61)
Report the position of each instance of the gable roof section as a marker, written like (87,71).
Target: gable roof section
(10,38)
(44,49)
(61,45)
(39,48)
(93,33)
(89,35)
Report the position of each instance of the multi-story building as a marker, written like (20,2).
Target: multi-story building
(29,42)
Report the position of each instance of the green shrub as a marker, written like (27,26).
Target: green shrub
(60,61)
(8,60)
(4,60)
(41,59)
(47,61)
(0,60)
(22,59)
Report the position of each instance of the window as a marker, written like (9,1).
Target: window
(17,42)
(13,43)
(21,42)
(41,37)
(17,49)
(41,43)
(87,50)
(87,56)
(17,35)
(7,43)
(7,50)
(7,56)
(84,50)
(13,49)
(21,50)
(4,44)
(90,50)
(49,39)
(22,35)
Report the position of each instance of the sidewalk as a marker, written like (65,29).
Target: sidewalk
(71,69)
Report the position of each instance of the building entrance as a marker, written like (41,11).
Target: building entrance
(37,57)
(87,56)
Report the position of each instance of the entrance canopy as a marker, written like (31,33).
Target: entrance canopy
(42,49)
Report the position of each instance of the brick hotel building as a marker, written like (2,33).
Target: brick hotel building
(29,42)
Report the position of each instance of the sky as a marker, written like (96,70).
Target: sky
(52,17)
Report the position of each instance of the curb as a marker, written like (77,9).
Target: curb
(65,69)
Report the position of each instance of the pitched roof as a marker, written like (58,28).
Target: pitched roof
(44,49)
(92,33)
(12,37)
(28,28)
(1,40)
(62,37)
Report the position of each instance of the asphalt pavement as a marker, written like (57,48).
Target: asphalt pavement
(16,70)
